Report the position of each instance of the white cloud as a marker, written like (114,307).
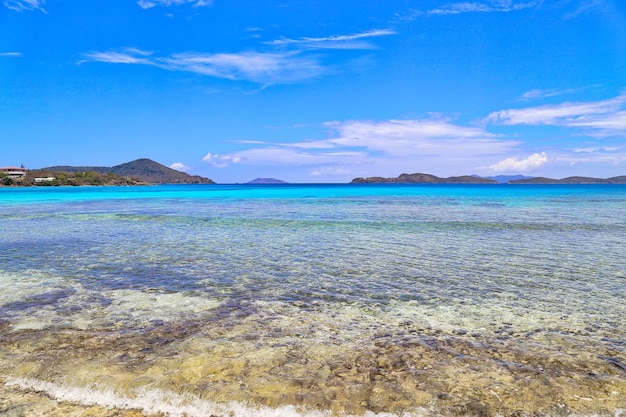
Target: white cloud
(440,145)
(147,4)
(597,118)
(259,67)
(125,56)
(601,157)
(329,171)
(533,161)
(220,161)
(179,166)
(11,54)
(483,7)
(335,42)
(392,145)
(597,149)
(603,125)
(287,156)
(584,7)
(535,94)
(277,66)
(266,68)
(21,5)
(417,137)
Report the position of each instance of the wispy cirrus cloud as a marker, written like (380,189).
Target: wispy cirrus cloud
(599,156)
(499,6)
(124,56)
(277,64)
(546,93)
(11,54)
(259,67)
(487,6)
(583,8)
(353,41)
(266,68)
(612,156)
(596,118)
(148,4)
(24,5)
(537,93)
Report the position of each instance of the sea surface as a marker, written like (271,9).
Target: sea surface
(313,300)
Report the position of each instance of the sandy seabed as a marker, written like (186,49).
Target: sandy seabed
(252,364)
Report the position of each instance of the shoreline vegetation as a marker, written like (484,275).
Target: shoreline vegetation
(62,178)
(139,172)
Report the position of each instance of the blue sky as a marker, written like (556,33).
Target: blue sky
(316,91)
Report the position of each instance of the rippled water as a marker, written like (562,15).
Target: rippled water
(313,300)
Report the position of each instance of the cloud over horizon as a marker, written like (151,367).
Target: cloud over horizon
(531,162)
(220,161)
(407,145)
(595,118)
(397,144)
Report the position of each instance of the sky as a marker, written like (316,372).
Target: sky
(316,91)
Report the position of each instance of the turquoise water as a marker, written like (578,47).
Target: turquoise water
(237,300)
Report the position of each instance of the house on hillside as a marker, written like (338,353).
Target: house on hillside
(44,179)
(14,172)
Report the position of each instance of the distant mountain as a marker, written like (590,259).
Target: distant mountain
(503,179)
(572,180)
(267,181)
(424,179)
(143,169)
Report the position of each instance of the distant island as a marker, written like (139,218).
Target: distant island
(503,179)
(424,179)
(267,181)
(572,180)
(473,179)
(138,172)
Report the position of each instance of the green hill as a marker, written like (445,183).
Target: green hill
(143,169)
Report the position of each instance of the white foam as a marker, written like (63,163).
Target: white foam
(153,401)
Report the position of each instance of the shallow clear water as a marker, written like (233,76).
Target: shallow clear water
(313,300)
